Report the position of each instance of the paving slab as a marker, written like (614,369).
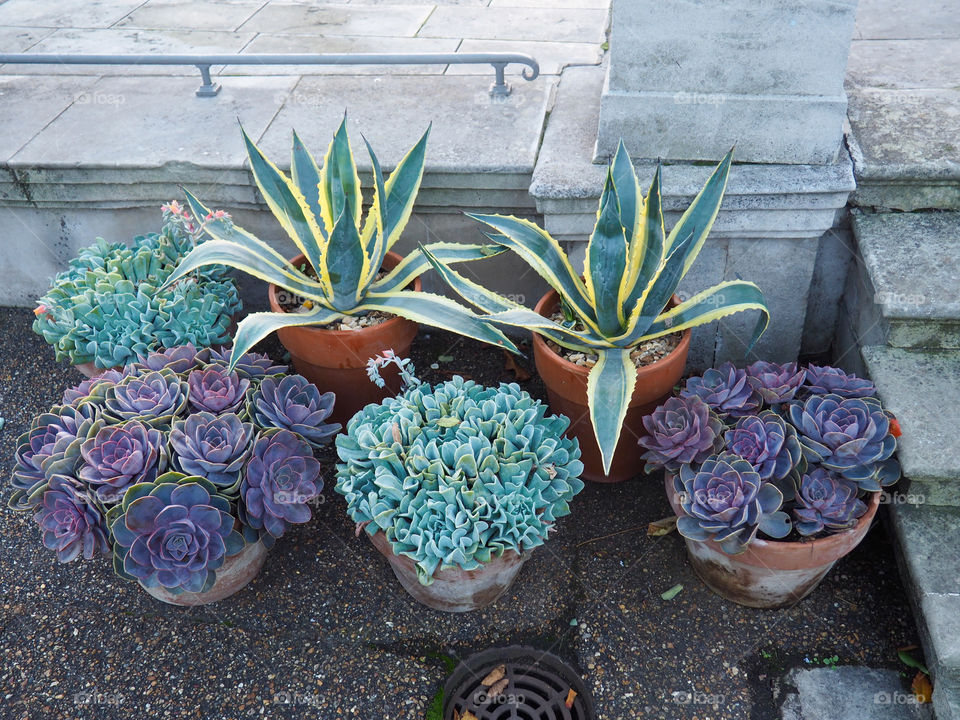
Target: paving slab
(894,19)
(65,13)
(20,39)
(517,23)
(197,15)
(850,693)
(556,4)
(552,57)
(390,20)
(903,64)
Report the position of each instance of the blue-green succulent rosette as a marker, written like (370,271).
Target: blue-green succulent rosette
(456,474)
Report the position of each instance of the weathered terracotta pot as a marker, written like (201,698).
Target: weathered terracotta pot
(235,574)
(771,573)
(453,589)
(337,359)
(567,391)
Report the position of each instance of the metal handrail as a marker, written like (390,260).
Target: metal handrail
(210,89)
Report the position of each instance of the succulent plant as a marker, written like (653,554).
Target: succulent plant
(214,447)
(457,473)
(850,436)
(250,365)
(281,479)
(108,307)
(155,398)
(826,502)
(179,359)
(173,533)
(830,380)
(91,386)
(631,272)
(726,390)
(767,442)
(726,501)
(294,403)
(118,456)
(72,524)
(216,390)
(776,383)
(682,430)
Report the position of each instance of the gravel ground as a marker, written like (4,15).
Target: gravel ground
(327,632)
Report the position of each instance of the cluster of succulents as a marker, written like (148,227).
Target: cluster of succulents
(108,307)
(173,463)
(772,448)
(456,473)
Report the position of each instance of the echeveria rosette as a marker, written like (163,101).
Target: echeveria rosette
(73,526)
(180,359)
(174,533)
(850,436)
(828,380)
(118,456)
(726,390)
(215,447)
(775,383)
(294,403)
(92,389)
(826,502)
(726,501)
(216,391)
(155,398)
(253,366)
(682,430)
(767,442)
(456,474)
(282,477)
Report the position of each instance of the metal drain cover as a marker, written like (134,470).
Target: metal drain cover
(535,686)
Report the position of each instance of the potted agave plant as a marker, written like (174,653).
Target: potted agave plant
(456,484)
(622,321)
(775,473)
(106,309)
(183,470)
(346,297)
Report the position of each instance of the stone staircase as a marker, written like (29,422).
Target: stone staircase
(902,312)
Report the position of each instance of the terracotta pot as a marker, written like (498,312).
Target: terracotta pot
(771,573)
(90,370)
(453,589)
(235,573)
(567,390)
(337,359)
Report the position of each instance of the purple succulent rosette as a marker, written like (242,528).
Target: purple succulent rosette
(682,430)
(253,366)
(79,393)
(214,390)
(726,501)
(776,383)
(767,442)
(180,359)
(155,398)
(119,456)
(214,447)
(72,525)
(174,533)
(281,479)
(828,380)
(294,403)
(850,436)
(826,502)
(726,390)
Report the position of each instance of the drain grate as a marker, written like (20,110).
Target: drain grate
(534,685)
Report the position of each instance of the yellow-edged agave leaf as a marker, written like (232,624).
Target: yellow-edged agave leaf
(646,249)
(256,326)
(416,263)
(372,238)
(439,312)
(628,191)
(610,387)
(286,202)
(339,181)
(606,262)
(343,262)
(401,190)
(306,176)
(539,250)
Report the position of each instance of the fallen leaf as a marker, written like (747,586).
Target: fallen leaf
(672,592)
(895,427)
(456,714)
(359,528)
(445,358)
(467,715)
(448,422)
(551,470)
(571,696)
(494,675)
(498,687)
(922,687)
(510,365)
(662,527)
(911,661)
(397,437)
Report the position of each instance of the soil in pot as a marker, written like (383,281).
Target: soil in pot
(234,575)
(337,359)
(453,589)
(566,384)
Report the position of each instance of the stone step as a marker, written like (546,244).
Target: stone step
(927,540)
(906,292)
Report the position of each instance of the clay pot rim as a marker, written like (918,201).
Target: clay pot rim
(382,543)
(391,323)
(552,296)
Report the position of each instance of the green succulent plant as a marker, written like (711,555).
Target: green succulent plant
(631,272)
(322,212)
